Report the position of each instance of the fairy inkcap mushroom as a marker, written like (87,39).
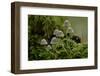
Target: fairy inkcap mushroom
(58,33)
(55,31)
(43,42)
(70,30)
(53,40)
(49,47)
(66,23)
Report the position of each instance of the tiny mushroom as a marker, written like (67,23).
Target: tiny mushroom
(43,42)
(55,31)
(58,33)
(66,23)
(49,47)
(70,30)
(53,40)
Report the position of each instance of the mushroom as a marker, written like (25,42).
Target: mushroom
(66,23)
(55,31)
(58,33)
(49,47)
(43,42)
(53,40)
(70,30)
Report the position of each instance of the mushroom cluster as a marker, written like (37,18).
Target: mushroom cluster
(57,34)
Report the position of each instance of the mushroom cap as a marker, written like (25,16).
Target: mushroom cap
(49,47)
(58,33)
(54,40)
(55,31)
(66,23)
(70,30)
(43,42)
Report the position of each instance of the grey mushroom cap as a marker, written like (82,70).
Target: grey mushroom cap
(55,31)
(53,40)
(49,47)
(66,23)
(70,30)
(43,42)
(58,33)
